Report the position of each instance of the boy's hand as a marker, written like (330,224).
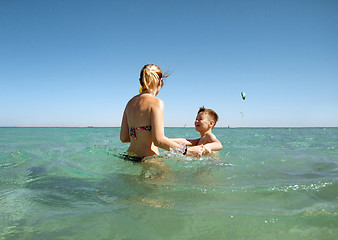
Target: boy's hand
(199,151)
(206,150)
(196,151)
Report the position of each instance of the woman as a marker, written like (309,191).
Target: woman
(142,122)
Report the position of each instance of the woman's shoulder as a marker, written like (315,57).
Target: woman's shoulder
(146,99)
(156,103)
(152,99)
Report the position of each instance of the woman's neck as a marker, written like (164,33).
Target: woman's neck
(154,93)
(151,93)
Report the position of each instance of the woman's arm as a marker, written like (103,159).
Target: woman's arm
(194,142)
(124,133)
(160,140)
(182,141)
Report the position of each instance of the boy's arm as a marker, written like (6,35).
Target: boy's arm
(194,142)
(213,144)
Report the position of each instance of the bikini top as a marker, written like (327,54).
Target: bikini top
(132,130)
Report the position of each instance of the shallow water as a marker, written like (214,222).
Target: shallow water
(70,183)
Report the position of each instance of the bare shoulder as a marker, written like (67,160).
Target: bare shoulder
(145,101)
(157,103)
(133,100)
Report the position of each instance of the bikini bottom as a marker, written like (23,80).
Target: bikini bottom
(138,159)
(131,158)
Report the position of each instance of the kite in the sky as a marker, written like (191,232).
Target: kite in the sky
(243,95)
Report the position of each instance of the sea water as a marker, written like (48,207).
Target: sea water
(71,183)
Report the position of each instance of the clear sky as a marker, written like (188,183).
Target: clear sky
(77,63)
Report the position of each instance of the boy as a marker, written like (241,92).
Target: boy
(205,121)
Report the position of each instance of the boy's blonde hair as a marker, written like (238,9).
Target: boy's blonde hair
(211,113)
(150,76)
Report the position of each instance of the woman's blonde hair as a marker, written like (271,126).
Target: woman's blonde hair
(150,76)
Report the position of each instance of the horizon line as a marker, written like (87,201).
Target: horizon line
(220,127)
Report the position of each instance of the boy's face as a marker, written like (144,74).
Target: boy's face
(203,122)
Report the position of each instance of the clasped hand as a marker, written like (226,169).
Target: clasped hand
(198,151)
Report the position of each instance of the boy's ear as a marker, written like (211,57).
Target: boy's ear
(212,123)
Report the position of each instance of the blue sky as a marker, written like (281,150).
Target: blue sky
(77,63)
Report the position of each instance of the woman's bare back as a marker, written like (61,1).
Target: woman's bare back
(138,112)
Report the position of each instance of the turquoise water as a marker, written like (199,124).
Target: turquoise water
(69,183)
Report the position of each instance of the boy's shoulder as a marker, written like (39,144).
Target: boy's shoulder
(207,138)
(210,136)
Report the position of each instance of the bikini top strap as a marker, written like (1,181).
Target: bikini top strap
(132,130)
